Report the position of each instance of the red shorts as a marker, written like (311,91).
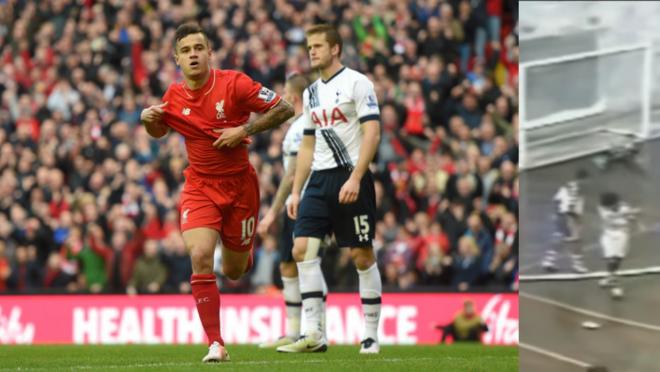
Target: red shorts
(228,204)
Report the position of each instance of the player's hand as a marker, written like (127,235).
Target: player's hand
(230,137)
(350,191)
(153,114)
(266,221)
(292,207)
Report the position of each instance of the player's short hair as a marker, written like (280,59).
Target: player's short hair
(609,199)
(186,29)
(298,83)
(331,34)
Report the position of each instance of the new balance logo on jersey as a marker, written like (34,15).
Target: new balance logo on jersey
(184,215)
(335,118)
(363,237)
(185,111)
(220,108)
(203,300)
(246,241)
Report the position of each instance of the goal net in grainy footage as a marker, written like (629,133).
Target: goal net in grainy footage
(562,119)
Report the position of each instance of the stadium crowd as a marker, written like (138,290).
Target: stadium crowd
(88,201)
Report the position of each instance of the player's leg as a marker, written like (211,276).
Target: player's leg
(311,226)
(577,257)
(370,295)
(238,200)
(200,243)
(549,262)
(354,226)
(616,247)
(199,220)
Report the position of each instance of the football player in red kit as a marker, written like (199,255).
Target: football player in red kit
(220,197)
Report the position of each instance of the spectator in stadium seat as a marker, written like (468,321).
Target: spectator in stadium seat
(26,274)
(55,277)
(5,266)
(483,239)
(466,264)
(469,110)
(149,273)
(433,259)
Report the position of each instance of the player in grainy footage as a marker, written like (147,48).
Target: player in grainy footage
(220,199)
(617,217)
(569,202)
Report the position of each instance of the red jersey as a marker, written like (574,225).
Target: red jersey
(226,100)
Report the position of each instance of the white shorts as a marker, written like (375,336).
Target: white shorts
(615,245)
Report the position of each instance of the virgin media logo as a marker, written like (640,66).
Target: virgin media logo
(503,329)
(12,331)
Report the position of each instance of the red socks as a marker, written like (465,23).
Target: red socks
(207,298)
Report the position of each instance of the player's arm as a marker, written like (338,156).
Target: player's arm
(367,109)
(285,187)
(303,168)
(152,119)
(275,116)
(370,141)
(283,190)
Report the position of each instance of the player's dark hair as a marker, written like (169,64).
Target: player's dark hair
(186,29)
(298,82)
(609,199)
(331,34)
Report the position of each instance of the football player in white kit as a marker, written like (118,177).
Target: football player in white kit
(293,93)
(616,217)
(569,203)
(342,131)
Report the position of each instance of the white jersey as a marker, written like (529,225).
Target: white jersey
(291,145)
(616,221)
(616,230)
(292,140)
(333,111)
(569,200)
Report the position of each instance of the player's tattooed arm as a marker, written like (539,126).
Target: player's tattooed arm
(271,119)
(231,137)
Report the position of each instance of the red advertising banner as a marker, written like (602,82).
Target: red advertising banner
(118,319)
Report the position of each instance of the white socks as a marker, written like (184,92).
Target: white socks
(293,303)
(371,288)
(311,292)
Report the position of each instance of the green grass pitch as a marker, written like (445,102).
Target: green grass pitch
(466,358)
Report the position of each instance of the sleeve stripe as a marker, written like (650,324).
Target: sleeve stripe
(309,132)
(364,119)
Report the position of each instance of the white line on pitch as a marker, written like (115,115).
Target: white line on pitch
(554,355)
(628,322)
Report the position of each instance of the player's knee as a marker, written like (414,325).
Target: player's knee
(201,257)
(299,249)
(288,269)
(363,258)
(232,272)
